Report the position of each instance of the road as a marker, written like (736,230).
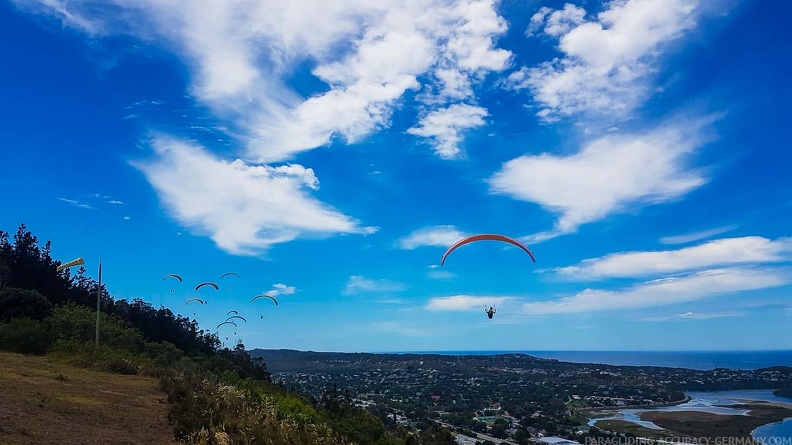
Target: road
(481,436)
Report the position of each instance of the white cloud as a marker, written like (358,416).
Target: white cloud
(115,201)
(704,316)
(667,291)
(722,252)
(440,274)
(243,208)
(369,54)
(606,176)
(358,284)
(696,316)
(127,218)
(444,127)
(463,303)
(280,289)
(75,203)
(556,22)
(392,301)
(437,236)
(607,62)
(696,236)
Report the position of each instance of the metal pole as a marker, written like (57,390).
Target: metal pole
(98,298)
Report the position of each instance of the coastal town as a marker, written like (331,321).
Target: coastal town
(511,398)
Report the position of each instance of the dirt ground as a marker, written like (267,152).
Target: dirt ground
(44,402)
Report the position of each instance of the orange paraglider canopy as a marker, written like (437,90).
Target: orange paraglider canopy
(486,237)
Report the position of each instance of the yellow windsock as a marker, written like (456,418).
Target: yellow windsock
(77,262)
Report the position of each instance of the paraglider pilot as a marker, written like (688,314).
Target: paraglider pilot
(490,312)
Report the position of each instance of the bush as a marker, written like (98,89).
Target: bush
(163,354)
(26,336)
(101,357)
(77,323)
(21,303)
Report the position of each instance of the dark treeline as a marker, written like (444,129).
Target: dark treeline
(31,286)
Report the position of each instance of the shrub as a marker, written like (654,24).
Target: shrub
(77,323)
(101,357)
(22,303)
(26,336)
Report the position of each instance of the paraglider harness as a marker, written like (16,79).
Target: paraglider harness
(490,312)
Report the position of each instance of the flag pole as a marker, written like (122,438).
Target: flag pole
(98,298)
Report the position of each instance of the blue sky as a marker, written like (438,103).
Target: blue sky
(329,152)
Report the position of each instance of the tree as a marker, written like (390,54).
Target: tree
(5,259)
(436,435)
(19,303)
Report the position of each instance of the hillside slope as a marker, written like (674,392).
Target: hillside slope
(46,402)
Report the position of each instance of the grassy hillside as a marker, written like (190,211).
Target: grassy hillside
(45,401)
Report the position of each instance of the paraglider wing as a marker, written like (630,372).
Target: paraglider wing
(194,299)
(486,237)
(264,296)
(77,262)
(229,273)
(216,287)
(226,322)
(173,275)
(237,316)
(235,313)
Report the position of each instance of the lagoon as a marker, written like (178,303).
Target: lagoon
(708,402)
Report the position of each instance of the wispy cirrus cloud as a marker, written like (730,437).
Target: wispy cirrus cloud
(75,203)
(358,284)
(722,252)
(666,291)
(464,302)
(440,274)
(607,62)
(696,236)
(92,201)
(436,236)
(243,208)
(696,316)
(608,175)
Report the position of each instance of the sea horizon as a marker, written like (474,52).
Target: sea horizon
(699,360)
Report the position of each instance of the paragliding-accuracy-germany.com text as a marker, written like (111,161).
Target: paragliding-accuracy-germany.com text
(727,440)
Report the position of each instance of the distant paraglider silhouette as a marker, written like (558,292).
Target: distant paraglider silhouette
(208,283)
(172,275)
(227,274)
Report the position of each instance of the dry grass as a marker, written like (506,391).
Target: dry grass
(45,402)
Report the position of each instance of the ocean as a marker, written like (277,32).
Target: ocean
(701,360)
